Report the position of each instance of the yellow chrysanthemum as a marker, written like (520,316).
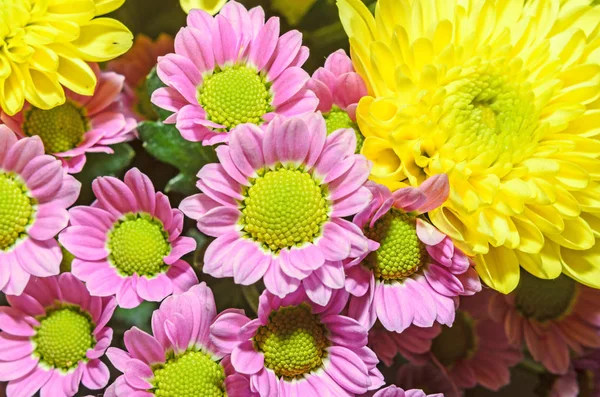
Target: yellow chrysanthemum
(503,97)
(210,6)
(45,44)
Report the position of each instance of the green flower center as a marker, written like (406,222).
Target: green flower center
(16,210)
(63,337)
(400,253)
(487,114)
(137,245)
(284,208)
(337,119)
(193,373)
(294,341)
(544,300)
(60,129)
(234,96)
(457,342)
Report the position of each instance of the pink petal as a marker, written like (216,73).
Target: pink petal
(437,190)
(177,330)
(288,46)
(409,199)
(168,98)
(21,153)
(84,242)
(392,307)
(114,195)
(39,258)
(345,331)
(14,369)
(290,141)
(347,370)
(423,305)
(14,347)
(228,163)
(348,89)
(92,217)
(225,41)
(95,375)
(279,283)
(246,149)
(118,358)
(16,323)
(339,63)
(219,221)
(180,247)
(107,91)
(428,233)
(216,178)
(323,93)
(305,101)
(225,328)
(215,257)
(26,304)
(138,374)
(288,84)
(443,281)
(249,263)
(334,242)
(201,20)
(326,77)
(196,46)
(142,188)
(182,276)
(7,140)
(127,296)
(264,44)
(197,205)
(246,360)
(43,175)
(143,346)
(316,290)
(154,289)
(178,66)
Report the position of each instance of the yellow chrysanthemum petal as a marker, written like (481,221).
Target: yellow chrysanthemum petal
(292,11)
(504,97)
(210,6)
(32,68)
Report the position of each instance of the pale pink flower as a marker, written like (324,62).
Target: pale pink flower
(35,192)
(83,124)
(129,242)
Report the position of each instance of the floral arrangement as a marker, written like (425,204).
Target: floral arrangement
(298,198)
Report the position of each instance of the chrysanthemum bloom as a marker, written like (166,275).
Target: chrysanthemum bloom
(210,6)
(52,338)
(178,359)
(275,203)
(135,65)
(232,69)
(428,378)
(475,350)
(45,46)
(394,391)
(83,124)
(414,343)
(339,88)
(35,193)
(414,274)
(129,242)
(298,348)
(552,317)
(501,96)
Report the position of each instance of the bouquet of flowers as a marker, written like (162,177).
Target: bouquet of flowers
(299,198)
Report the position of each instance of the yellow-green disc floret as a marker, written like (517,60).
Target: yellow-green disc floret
(63,338)
(16,210)
(294,341)
(544,300)
(337,119)
(192,374)
(137,245)
(400,253)
(60,129)
(284,208)
(457,342)
(235,95)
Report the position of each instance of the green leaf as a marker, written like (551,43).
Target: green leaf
(164,142)
(153,83)
(103,164)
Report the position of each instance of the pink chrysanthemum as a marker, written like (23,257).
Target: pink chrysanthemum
(298,348)
(339,88)
(232,69)
(135,65)
(475,350)
(414,343)
(129,242)
(52,338)
(179,359)
(276,204)
(414,273)
(394,391)
(83,124)
(553,317)
(35,193)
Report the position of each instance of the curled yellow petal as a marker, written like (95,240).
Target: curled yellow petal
(210,6)
(103,39)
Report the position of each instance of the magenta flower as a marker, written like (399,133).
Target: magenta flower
(414,273)
(179,359)
(129,242)
(414,343)
(298,348)
(232,69)
(83,124)
(276,204)
(394,391)
(35,193)
(553,317)
(339,88)
(52,338)
(475,350)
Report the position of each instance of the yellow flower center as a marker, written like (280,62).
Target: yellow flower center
(457,342)
(337,119)
(17,210)
(545,300)
(60,129)
(294,341)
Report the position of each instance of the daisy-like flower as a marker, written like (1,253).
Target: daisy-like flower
(414,343)
(553,317)
(35,193)
(298,348)
(83,124)
(45,46)
(135,65)
(232,69)
(276,204)
(394,391)
(178,359)
(339,88)
(503,97)
(52,339)
(475,350)
(413,274)
(129,242)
